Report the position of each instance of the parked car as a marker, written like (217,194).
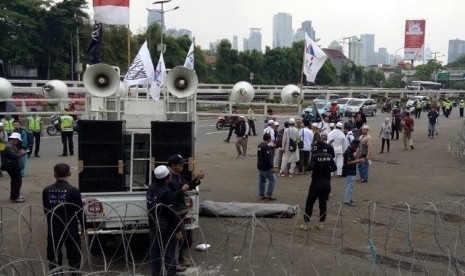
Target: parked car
(369,107)
(343,101)
(413,99)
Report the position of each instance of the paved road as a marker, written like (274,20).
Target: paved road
(277,246)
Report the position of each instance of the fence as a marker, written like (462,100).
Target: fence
(456,146)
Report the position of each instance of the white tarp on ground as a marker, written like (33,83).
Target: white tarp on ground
(241,209)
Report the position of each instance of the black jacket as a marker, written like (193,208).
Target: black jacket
(264,157)
(162,217)
(62,205)
(322,165)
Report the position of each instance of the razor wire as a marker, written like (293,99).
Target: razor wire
(369,239)
(456,146)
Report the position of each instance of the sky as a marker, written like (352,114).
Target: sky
(211,20)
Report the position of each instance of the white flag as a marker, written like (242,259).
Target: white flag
(313,60)
(141,70)
(189,63)
(158,79)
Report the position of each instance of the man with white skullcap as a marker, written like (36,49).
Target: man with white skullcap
(165,225)
(337,139)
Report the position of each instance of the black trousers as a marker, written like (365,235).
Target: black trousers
(303,162)
(15,183)
(461,111)
(67,140)
(55,240)
(395,129)
(231,130)
(320,188)
(36,143)
(387,141)
(252,127)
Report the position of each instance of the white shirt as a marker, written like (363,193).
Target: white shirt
(338,140)
(324,127)
(306,135)
(270,130)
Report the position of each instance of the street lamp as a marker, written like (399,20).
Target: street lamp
(162,12)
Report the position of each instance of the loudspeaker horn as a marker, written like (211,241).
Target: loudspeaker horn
(181,81)
(291,94)
(55,89)
(242,92)
(6,89)
(101,80)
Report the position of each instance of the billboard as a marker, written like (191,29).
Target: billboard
(414,39)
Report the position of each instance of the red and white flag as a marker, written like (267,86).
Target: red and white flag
(112,12)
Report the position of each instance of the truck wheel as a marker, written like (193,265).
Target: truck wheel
(219,125)
(52,130)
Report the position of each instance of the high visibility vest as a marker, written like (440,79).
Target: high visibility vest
(8,125)
(66,123)
(461,104)
(419,105)
(34,123)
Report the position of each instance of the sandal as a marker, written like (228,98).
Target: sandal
(281,174)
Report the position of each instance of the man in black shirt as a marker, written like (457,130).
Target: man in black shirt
(165,225)
(265,168)
(63,208)
(322,165)
(350,169)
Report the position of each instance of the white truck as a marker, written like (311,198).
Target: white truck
(123,137)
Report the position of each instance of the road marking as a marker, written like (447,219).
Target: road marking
(215,132)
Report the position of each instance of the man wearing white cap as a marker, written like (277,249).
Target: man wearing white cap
(290,151)
(337,139)
(271,130)
(11,163)
(164,223)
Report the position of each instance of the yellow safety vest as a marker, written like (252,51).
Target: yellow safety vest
(34,123)
(461,104)
(8,125)
(66,123)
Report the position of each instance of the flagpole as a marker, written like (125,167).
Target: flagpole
(302,76)
(129,47)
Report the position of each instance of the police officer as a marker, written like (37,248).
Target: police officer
(322,165)
(63,208)
(164,223)
(35,125)
(67,129)
(461,105)
(8,124)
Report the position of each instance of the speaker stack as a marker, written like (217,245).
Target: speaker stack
(101,156)
(170,138)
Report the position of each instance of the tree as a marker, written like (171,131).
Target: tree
(373,77)
(426,71)
(394,81)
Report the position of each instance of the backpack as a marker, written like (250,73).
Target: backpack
(292,145)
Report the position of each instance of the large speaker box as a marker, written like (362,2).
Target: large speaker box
(170,138)
(101,156)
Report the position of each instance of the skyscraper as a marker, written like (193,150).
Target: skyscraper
(456,49)
(356,50)
(383,56)
(306,26)
(235,43)
(154,16)
(255,40)
(282,30)
(368,52)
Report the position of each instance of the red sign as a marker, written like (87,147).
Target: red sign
(414,39)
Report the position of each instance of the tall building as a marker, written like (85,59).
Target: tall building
(368,52)
(254,42)
(355,50)
(305,26)
(154,16)
(383,56)
(282,30)
(235,43)
(456,49)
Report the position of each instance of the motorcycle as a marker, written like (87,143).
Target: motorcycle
(386,108)
(54,127)
(223,121)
